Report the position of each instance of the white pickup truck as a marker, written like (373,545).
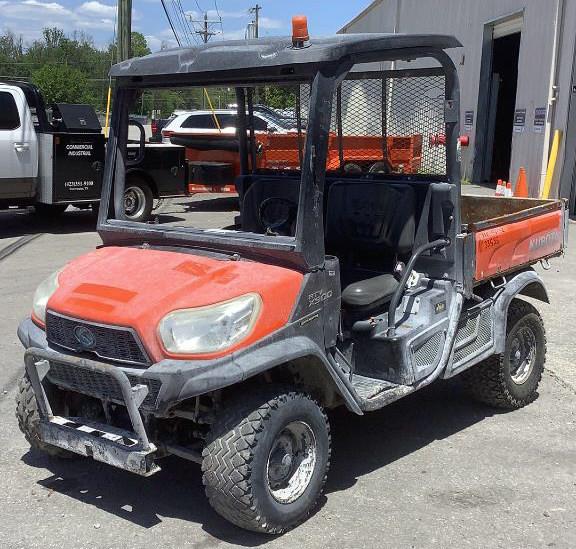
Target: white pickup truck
(52,163)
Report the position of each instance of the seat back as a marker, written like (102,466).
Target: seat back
(370,218)
(254,190)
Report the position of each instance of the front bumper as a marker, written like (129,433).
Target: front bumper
(129,450)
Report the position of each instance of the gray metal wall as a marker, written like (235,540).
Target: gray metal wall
(466,19)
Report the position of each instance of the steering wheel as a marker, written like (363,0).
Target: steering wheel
(382,166)
(278,216)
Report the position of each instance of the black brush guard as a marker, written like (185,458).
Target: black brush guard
(128,450)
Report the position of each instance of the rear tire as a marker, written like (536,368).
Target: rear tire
(29,418)
(266,460)
(510,380)
(138,200)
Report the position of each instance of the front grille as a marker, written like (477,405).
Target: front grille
(110,342)
(99,385)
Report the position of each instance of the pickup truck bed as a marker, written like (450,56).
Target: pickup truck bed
(511,233)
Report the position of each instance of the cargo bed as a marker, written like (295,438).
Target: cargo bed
(513,233)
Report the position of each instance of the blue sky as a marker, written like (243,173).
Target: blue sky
(96,17)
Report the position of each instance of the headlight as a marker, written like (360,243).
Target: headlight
(43,293)
(211,328)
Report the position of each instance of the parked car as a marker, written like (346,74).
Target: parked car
(157,125)
(204,123)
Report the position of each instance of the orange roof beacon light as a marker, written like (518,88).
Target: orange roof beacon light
(300,31)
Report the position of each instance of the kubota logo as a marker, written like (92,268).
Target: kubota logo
(543,241)
(85,337)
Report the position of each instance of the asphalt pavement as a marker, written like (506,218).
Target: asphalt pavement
(433,470)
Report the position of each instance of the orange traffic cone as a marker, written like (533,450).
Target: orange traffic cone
(521,190)
(500,189)
(509,193)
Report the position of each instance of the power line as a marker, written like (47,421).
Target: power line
(181,23)
(189,29)
(171,24)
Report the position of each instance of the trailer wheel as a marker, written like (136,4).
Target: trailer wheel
(510,380)
(47,211)
(266,460)
(138,200)
(29,417)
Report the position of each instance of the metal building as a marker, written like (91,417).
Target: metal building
(517,77)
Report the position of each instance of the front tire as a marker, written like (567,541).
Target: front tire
(29,418)
(266,460)
(510,380)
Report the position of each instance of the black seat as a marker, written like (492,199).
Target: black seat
(369,225)
(370,294)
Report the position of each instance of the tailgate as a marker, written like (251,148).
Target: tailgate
(520,241)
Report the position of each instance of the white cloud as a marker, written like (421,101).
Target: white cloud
(156,42)
(28,17)
(98,8)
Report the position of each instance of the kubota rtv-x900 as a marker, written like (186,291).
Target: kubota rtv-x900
(223,331)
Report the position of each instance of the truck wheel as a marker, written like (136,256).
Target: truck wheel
(29,417)
(266,460)
(138,200)
(510,380)
(47,211)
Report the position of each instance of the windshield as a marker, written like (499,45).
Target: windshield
(233,171)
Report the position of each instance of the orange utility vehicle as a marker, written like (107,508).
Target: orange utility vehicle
(226,345)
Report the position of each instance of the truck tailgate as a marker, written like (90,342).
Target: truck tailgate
(515,233)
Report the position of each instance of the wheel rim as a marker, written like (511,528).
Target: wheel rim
(291,462)
(134,202)
(522,355)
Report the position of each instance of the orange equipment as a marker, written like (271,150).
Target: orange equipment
(521,190)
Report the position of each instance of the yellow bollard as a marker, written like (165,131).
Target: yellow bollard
(107,111)
(551,164)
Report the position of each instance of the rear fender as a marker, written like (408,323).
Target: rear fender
(528,283)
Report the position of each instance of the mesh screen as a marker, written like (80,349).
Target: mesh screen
(405,112)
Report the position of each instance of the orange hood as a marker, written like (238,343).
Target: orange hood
(137,287)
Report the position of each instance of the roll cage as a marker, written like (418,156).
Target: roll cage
(244,64)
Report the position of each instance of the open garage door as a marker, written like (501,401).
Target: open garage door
(497,100)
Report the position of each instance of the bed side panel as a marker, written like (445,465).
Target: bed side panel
(510,246)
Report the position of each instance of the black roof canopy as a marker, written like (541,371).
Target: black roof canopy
(276,57)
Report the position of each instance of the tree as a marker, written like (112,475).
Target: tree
(61,84)
(139,45)
(278,97)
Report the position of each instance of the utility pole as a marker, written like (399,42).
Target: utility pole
(124,33)
(256,11)
(205,31)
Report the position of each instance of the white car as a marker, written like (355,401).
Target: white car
(204,123)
